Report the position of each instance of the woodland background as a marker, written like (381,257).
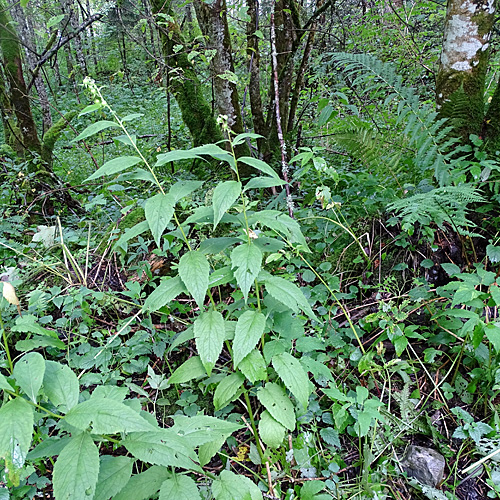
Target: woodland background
(249,250)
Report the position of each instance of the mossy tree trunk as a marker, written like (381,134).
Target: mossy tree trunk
(460,82)
(184,82)
(212,20)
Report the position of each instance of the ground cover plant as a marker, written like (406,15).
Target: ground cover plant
(290,309)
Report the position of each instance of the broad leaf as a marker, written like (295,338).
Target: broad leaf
(194,270)
(231,486)
(270,430)
(189,370)
(209,332)
(221,277)
(131,233)
(179,487)
(114,473)
(49,447)
(164,293)
(263,182)
(202,429)
(277,403)
(76,469)
(38,341)
(492,331)
(114,166)
(181,189)
(259,165)
(16,429)
(144,485)
(28,372)
(228,389)
(225,195)
(4,384)
(246,135)
(288,294)
(294,376)
(159,210)
(95,128)
(249,330)
(177,155)
(253,366)
(246,261)
(61,385)
(217,245)
(163,447)
(106,416)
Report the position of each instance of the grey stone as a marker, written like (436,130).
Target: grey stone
(424,464)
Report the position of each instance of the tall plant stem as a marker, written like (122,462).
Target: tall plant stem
(6,345)
(254,427)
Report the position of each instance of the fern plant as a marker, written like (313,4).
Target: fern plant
(415,133)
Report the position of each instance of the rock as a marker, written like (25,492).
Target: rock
(424,464)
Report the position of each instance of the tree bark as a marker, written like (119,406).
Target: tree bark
(464,61)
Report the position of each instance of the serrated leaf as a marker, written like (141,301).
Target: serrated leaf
(495,293)
(16,429)
(159,210)
(277,403)
(177,155)
(492,331)
(49,447)
(259,165)
(38,341)
(249,330)
(114,473)
(161,447)
(189,370)
(210,333)
(263,182)
(28,372)
(289,294)
(294,376)
(145,485)
(95,128)
(224,196)
(220,277)
(231,486)
(493,253)
(217,245)
(134,231)
(202,429)
(194,270)
(181,189)
(61,386)
(246,261)
(270,430)
(164,293)
(76,469)
(29,324)
(450,269)
(114,166)
(253,366)
(179,487)
(227,389)
(106,416)
(4,384)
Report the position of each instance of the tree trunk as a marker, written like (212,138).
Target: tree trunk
(73,18)
(185,84)
(464,61)
(213,24)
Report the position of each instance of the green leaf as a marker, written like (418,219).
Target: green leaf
(162,447)
(106,416)
(29,324)
(220,277)
(189,370)
(227,389)
(493,253)
(209,332)
(325,115)
(61,386)
(277,403)
(288,294)
(114,166)
(246,135)
(164,293)
(179,487)
(217,245)
(181,189)
(76,469)
(49,447)
(159,210)
(52,22)
(224,196)
(263,182)
(38,341)
(95,128)
(131,233)
(114,473)
(495,293)
(194,270)
(450,269)
(177,155)
(28,372)
(253,366)
(4,384)
(132,116)
(249,330)
(492,331)
(259,165)
(246,260)
(145,485)
(16,429)
(270,430)
(231,486)
(294,376)
(202,429)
